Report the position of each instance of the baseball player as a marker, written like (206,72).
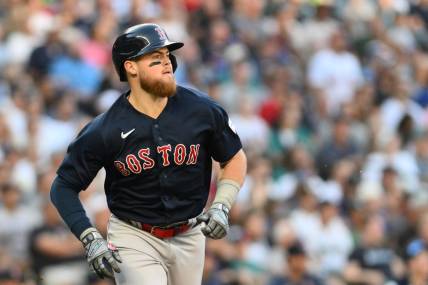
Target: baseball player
(156,144)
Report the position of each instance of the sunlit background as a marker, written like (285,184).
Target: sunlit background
(330,99)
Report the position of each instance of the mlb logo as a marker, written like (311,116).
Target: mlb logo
(162,34)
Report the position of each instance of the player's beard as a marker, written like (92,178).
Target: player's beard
(161,88)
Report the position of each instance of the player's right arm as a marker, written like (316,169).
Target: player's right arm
(85,156)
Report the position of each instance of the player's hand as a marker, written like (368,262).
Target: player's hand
(216,221)
(101,258)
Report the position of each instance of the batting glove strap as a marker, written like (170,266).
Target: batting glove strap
(90,235)
(101,258)
(217,221)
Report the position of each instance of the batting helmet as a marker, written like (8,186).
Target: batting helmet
(139,40)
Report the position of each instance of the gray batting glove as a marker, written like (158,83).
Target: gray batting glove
(216,221)
(101,257)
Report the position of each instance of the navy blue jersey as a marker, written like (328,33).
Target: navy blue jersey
(158,171)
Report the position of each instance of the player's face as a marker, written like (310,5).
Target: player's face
(156,74)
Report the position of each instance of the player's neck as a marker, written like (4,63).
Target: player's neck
(147,103)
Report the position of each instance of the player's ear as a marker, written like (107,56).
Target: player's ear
(130,68)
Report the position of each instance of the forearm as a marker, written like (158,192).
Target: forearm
(66,200)
(53,245)
(231,179)
(235,169)
(354,273)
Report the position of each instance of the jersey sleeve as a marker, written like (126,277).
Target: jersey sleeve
(84,158)
(225,142)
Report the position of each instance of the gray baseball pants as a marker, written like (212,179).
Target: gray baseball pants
(148,260)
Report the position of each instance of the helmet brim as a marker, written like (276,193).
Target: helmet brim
(174,45)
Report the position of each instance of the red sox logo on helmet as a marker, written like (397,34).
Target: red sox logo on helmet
(162,34)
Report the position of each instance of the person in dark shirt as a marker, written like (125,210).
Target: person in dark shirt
(297,273)
(340,146)
(373,261)
(417,264)
(156,144)
(54,250)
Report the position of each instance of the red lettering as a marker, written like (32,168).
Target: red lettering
(193,154)
(120,166)
(143,154)
(179,154)
(164,151)
(133,163)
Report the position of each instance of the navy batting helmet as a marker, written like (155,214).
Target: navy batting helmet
(139,40)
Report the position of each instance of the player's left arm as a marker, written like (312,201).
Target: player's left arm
(235,168)
(230,181)
(231,178)
(225,147)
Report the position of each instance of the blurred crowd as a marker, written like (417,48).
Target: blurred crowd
(329,97)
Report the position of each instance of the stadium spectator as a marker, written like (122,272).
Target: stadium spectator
(297,273)
(56,256)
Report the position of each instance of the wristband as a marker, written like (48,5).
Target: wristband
(227,190)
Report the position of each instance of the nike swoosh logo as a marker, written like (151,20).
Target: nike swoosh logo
(124,135)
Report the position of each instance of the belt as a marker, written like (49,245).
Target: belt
(167,231)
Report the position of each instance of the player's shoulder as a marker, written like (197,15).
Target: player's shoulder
(94,127)
(99,123)
(104,122)
(196,97)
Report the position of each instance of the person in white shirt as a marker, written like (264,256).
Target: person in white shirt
(335,72)
(331,241)
(16,220)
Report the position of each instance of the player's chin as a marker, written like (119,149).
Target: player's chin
(162,87)
(167,88)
